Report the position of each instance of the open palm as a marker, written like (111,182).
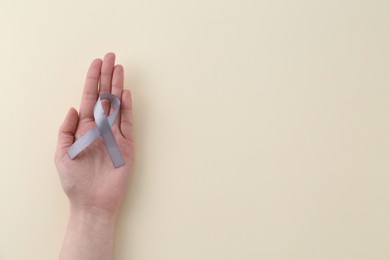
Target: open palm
(90,180)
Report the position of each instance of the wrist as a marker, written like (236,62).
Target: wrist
(93,224)
(92,214)
(90,234)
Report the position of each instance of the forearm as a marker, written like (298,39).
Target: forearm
(89,235)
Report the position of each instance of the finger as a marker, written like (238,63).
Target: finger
(126,123)
(90,91)
(117,87)
(67,130)
(106,77)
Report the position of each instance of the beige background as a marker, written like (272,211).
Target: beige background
(262,127)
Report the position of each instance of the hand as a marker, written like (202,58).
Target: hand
(90,180)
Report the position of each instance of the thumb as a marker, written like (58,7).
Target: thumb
(67,130)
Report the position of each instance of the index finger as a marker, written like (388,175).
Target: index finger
(90,92)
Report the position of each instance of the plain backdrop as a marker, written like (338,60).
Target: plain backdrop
(262,127)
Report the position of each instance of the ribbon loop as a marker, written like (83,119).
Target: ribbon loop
(103,129)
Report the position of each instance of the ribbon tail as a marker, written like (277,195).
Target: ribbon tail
(113,149)
(83,142)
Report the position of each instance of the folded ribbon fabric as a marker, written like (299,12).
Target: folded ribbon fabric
(103,129)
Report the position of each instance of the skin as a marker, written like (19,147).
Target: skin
(95,188)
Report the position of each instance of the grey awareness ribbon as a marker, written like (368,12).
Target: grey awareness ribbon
(103,129)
